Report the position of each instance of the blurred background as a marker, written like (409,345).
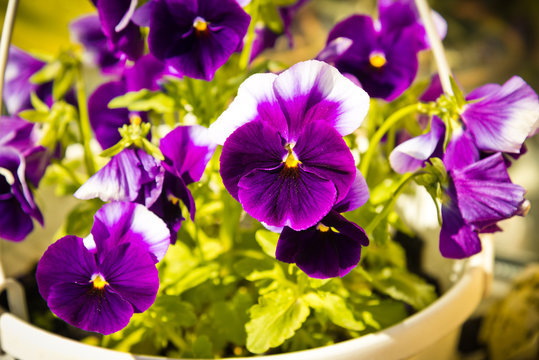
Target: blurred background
(487,41)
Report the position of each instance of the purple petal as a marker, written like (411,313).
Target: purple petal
(152,178)
(461,151)
(323,254)
(412,154)
(187,151)
(315,91)
(145,73)
(504,117)
(120,222)
(131,273)
(457,239)
(119,180)
(171,213)
(104,311)
(255,145)
(356,196)
(285,197)
(65,261)
(323,152)
(485,192)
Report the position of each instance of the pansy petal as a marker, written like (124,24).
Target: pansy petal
(131,273)
(104,312)
(15,224)
(412,154)
(505,116)
(119,180)
(255,101)
(357,195)
(65,261)
(145,73)
(254,145)
(315,91)
(485,191)
(119,222)
(461,151)
(322,151)
(282,198)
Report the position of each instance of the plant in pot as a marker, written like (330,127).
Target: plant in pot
(233,205)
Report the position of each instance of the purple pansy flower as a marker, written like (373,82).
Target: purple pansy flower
(501,117)
(19,69)
(187,151)
(97,283)
(283,157)
(196,37)
(478,196)
(333,246)
(131,175)
(381,55)
(21,161)
(123,35)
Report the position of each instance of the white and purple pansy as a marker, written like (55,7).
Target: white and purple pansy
(284,158)
(98,282)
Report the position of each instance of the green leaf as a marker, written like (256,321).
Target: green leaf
(271,17)
(267,241)
(202,348)
(274,319)
(34,116)
(62,83)
(79,221)
(457,92)
(38,104)
(335,308)
(402,285)
(144,100)
(47,73)
(170,309)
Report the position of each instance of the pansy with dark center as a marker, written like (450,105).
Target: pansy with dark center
(283,156)
(98,282)
(333,246)
(196,37)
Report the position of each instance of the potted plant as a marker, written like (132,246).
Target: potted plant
(228,203)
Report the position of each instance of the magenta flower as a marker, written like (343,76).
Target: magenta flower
(97,283)
(196,37)
(283,157)
(333,246)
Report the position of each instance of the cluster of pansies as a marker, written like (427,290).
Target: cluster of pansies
(288,150)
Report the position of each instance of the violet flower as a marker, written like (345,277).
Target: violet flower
(333,246)
(196,37)
(283,157)
(187,151)
(19,69)
(98,282)
(22,161)
(381,55)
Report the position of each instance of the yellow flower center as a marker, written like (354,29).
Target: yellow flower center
(99,282)
(291,161)
(321,227)
(200,25)
(377,59)
(135,119)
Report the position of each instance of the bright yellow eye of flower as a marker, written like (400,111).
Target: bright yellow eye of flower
(291,161)
(99,282)
(321,227)
(200,25)
(377,59)
(135,119)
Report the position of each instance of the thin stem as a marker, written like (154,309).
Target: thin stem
(436,45)
(382,130)
(245,56)
(7,30)
(389,206)
(84,121)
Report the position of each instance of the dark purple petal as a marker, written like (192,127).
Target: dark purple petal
(504,117)
(187,151)
(461,151)
(106,122)
(131,273)
(315,91)
(254,145)
(103,311)
(121,222)
(152,178)
(145,73)
(322,151)
(412,154)
(286,197)
(485,192)
(65,261)
(356,196)
(15,224)
(170,212)
(264,39)
(321,252)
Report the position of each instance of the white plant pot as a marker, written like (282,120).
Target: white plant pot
(429,334)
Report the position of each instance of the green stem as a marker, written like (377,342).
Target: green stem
(84,121)
(248,46)
(382,130)
(68,171)
(389,206)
